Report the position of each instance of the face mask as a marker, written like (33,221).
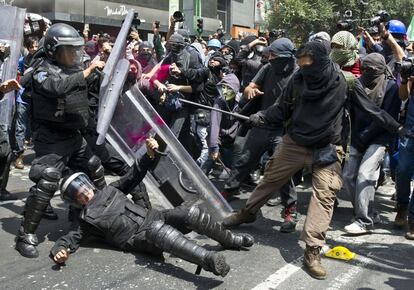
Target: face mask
(279,64)
(344,57)
(228,93)
(146,56)
(228,58)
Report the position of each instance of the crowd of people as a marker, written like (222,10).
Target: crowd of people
(337,107)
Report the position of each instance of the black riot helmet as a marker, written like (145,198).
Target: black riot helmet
(61,36)
(77,189)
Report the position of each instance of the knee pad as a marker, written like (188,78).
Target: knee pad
(97,172)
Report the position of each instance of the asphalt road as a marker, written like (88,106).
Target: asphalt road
(384,259)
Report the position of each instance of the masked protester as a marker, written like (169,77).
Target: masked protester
(312,105)
(265,89)
(248,58)
(368,143)
(345,52)
(223,127)
(59,95)
(145,57)
(110,216)
(230,50)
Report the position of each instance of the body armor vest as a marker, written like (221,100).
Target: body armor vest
(64,111)
(114,215)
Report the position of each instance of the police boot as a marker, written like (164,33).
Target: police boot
(290,219)
(200,222)
(409,235)
(35,206)
(97,172)
(173,241)
(312,262)
(401,217)
(237,218)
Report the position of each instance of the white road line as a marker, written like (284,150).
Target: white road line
(343,279)
(280,275)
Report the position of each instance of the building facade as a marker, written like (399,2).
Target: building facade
(105,14)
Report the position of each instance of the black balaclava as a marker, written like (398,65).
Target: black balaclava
(285,61)
(318,74)
(374,76)
(144,56)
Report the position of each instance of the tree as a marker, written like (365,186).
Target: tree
(303,17)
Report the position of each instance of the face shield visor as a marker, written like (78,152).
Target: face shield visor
(69,56)
(77,189)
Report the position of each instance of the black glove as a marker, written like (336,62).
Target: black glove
(255,120)
(404,133)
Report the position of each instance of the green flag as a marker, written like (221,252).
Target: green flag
(410,31)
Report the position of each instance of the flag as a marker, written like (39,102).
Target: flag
(410,31)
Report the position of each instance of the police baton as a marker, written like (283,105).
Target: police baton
(239,116)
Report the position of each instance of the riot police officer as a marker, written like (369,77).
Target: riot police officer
(109,215)
(59,111)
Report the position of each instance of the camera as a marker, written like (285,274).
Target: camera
(345,24)
(178,16)
(277,33)
(157,24)
(381,17)
(405,67)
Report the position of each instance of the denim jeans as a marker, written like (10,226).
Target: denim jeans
(22,127)
(404,174)
(360,175)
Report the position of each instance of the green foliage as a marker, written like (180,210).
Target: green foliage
(303,17)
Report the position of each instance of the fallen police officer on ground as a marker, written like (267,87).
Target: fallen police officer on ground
(111,216)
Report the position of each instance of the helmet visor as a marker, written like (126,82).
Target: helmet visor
(69,56)
(78,190)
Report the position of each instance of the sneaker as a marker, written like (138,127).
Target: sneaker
(409,235)
(274,201)
(356,229)
(290,219)
(18,164)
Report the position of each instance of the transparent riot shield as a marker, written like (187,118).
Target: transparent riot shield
(176,174)
(11,38)
(113,78)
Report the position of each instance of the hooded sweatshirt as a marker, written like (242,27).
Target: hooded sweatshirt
(224,127)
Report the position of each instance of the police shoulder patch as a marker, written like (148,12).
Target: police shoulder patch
(41,76)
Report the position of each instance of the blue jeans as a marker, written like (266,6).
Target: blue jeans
(22,127)
(404,174)
(360,174)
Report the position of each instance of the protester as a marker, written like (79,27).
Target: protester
(368,143)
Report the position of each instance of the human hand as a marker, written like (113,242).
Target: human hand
(255,120)
(152,145)
(171,88)
(62,256)
(9,85)
(251,92)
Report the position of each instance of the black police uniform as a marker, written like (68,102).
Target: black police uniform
(113,218)
(59,112)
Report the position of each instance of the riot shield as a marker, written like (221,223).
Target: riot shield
(113,77)
(176,175)
(11,37)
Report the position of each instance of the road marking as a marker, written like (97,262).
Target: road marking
(280,275)
(344,278)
